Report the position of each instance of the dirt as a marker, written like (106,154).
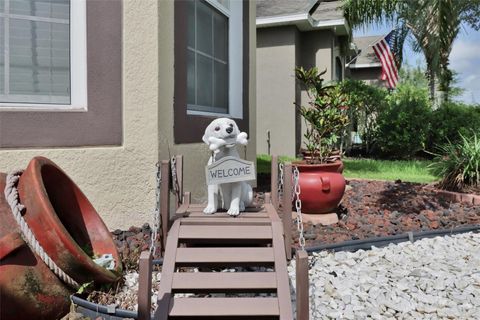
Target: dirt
(380,208)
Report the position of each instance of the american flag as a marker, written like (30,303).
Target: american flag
(384,51)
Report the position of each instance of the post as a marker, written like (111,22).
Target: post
(287,208)
(145,286)
(274,181)
(179,168)
(165,201)
(302,285)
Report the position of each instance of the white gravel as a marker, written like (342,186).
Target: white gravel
(435,278)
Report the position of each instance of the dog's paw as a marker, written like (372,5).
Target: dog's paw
(233,211)
(242,206)
(210,209)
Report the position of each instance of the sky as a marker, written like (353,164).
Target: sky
(464,58)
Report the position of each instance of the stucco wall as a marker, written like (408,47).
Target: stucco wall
(119,181)
(276,61)
(316,51)
(195,154)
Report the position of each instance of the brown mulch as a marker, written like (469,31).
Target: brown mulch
(382,208)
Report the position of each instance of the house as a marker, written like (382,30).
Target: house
(365,65)
(289,34)
(106,89)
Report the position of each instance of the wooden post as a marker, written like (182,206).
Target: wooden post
(145,286)
(268,197)
(165,201)
(302,285)
(287,208)
(274,181)
(186,197)
(179,168)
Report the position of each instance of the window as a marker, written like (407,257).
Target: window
(214,57)
(43,54)
(211,63)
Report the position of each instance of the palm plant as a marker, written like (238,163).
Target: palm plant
(458,164)
(433,25)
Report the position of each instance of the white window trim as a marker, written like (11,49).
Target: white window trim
(78,68)
(235,62)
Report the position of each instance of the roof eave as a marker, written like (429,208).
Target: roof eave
(365,65)
(305,22)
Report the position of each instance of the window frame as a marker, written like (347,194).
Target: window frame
(235,44)
(78,63)
(189,125)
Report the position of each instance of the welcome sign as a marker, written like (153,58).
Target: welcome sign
(230,169)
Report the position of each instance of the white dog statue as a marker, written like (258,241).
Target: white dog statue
(222,136)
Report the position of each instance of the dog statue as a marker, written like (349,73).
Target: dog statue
(222,135)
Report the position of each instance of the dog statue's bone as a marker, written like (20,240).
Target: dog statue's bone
(216,143)
(242,138)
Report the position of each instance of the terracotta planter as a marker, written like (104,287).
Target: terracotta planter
(70,231)
(322,186)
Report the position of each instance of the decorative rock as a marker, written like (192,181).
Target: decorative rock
(434,278)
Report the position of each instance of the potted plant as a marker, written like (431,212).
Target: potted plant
(326,117)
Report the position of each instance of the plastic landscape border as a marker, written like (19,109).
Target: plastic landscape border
(93,309)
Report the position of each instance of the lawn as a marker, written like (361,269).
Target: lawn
(405,170)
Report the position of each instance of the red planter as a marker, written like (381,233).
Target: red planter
(70,231)
(322,186)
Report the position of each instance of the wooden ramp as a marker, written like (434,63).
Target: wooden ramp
(209,243)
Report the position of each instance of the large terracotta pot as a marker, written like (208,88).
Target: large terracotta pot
(322,186)
(70,231)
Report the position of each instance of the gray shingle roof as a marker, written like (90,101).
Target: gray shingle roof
(328,10)
(367,55)
(271,8)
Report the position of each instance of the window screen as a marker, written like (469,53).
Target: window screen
(35,51)
(207,57)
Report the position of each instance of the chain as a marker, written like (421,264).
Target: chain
(280,181)
(298,207)
(156,211)
(176,188)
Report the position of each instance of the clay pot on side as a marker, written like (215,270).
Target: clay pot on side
(67,227)
(322,186)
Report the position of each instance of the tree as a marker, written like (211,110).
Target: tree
(433,24)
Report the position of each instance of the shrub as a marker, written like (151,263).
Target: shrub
(403,125)
(450,121)
(365,102)
(458,163)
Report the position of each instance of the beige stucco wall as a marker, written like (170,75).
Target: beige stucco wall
(195,154)
(119,181)
(276,61)
(317,50)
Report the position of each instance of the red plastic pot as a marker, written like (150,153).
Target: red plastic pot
(322,186)
(70,231)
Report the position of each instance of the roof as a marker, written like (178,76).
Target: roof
(270,8)
(305,14)
(328,10)
(367,57)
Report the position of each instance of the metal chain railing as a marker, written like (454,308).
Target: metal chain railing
(175,186)
(298,207)
(280,181)
(156,211)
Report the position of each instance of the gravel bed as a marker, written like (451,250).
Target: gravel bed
(436,278)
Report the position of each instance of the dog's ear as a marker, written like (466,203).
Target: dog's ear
(206,135)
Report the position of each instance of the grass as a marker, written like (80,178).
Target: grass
(405,170)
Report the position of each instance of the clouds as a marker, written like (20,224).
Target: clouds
(465,60)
